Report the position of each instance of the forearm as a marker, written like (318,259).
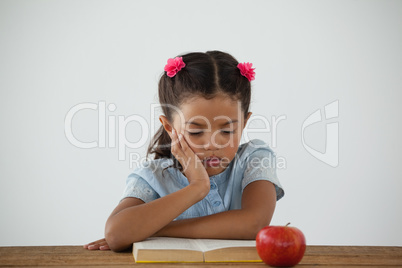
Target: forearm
(139,222)
(258,206)
(233,224)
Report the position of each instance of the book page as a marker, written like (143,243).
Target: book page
(168,243)
(212,244)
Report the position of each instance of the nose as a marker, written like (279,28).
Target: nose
(210,143)
(209,146)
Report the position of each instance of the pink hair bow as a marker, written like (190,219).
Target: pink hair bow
(246,70)
(173,66)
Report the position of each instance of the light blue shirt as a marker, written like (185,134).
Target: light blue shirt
(254,161)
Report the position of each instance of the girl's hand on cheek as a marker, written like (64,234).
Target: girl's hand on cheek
(192,165)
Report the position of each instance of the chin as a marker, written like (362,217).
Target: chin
(214,171)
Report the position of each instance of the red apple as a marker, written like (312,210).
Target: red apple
(280,245)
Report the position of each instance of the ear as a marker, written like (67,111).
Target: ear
(166,124)
(247,118)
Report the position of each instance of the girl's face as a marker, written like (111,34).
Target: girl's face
(212,129)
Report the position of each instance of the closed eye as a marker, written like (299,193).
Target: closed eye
(225,132)
(194,133)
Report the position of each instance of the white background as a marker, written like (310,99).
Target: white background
(57,54)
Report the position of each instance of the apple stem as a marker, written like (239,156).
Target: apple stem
(287,224)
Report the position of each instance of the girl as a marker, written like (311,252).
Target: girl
(202,183)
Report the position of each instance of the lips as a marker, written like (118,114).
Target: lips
(212,161)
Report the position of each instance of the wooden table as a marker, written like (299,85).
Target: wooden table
(76,256)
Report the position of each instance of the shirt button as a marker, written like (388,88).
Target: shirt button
(213,186)
(216,203)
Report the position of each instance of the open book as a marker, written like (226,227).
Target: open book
(167,249)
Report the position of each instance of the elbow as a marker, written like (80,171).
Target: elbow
(115,242)
(119,240)
(116,239)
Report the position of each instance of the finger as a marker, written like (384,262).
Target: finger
(184,146)
(101,245)
(176,147)
(93,247)
(104,247)
(175,140)
(95,242)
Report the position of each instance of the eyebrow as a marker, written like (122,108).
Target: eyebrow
(203,125)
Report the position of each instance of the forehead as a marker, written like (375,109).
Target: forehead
(217,110)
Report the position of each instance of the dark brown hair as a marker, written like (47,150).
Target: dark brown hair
(206,75)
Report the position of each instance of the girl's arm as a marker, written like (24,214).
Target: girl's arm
(257,208)
(136,220)
(133,220)
(258,205)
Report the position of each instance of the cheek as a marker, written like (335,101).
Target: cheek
(233,140)
(232,146)
(194,142)
(231,150)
